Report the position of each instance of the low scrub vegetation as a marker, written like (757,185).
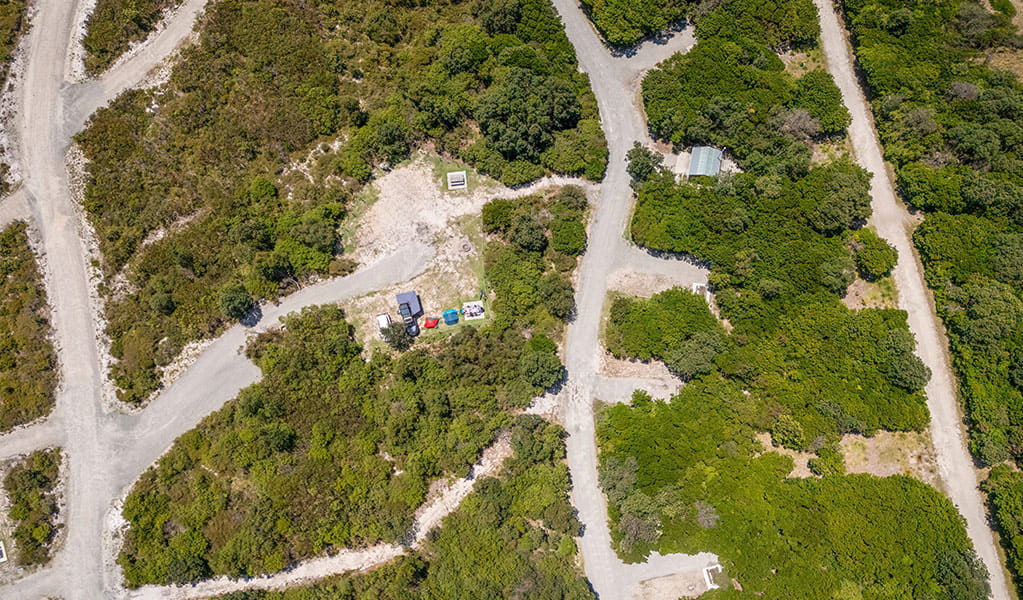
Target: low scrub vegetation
(327,451)
(193,189)
(34,505)
(781,23)
(28,365)
(512,537)
(114,25)
(12,24)
(783,240)
(689,476)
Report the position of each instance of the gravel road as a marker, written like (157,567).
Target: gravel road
(614,80)
(894,224)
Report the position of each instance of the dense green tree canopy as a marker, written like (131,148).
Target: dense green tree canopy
(510,538)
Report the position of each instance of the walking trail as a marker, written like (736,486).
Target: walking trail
(894,224)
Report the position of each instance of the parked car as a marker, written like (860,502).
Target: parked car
(411,327)
(383,322)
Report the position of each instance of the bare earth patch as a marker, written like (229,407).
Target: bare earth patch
(619,367)
(800,460)
(892,453)
(1006,59)
(644,285)
(867,294)
(411,203)
(670,587)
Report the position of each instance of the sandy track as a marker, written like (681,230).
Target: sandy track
(893,223)
(13,208)
(32,437)
(613,80)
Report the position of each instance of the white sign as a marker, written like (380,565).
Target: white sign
(457,180)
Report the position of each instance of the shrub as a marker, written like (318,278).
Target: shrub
(34,505)
(542,369)
(874,257)
(568,236)
(235,302)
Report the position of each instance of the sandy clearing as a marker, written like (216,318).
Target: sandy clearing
(892,453)
(800,460)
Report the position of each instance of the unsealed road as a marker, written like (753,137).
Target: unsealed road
(893,223)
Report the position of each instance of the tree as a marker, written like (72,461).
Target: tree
(962,574)
(499,16)
(840,195)
(528,234)
(903,367)
(643,163)
(817,93)
(829,461)
(397,336)
(568,236)
(497,215)
(558,295)
(463,48)
(874,257)
(542,369)
(838,274)
(520,114)
(696,355)
(788,432)
(235,302)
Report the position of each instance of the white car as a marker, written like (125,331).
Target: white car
(383,322)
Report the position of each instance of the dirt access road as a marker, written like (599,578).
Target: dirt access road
(108,451)
(894,224)
(614,80)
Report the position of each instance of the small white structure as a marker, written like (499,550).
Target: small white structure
(708,576)
(457,180)
(3,553)
(702,289)
(473,310)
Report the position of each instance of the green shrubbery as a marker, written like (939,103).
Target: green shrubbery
(115,24)
(34,505)
(953,135)
(530,263)
(874,257)
(327,451)
(625,22)
(28,365)
(735,93)
(687,476)
(1005,495)
(512,537)
(193,199)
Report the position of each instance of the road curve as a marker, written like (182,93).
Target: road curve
(85,97)
(894,224)
(222,370)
